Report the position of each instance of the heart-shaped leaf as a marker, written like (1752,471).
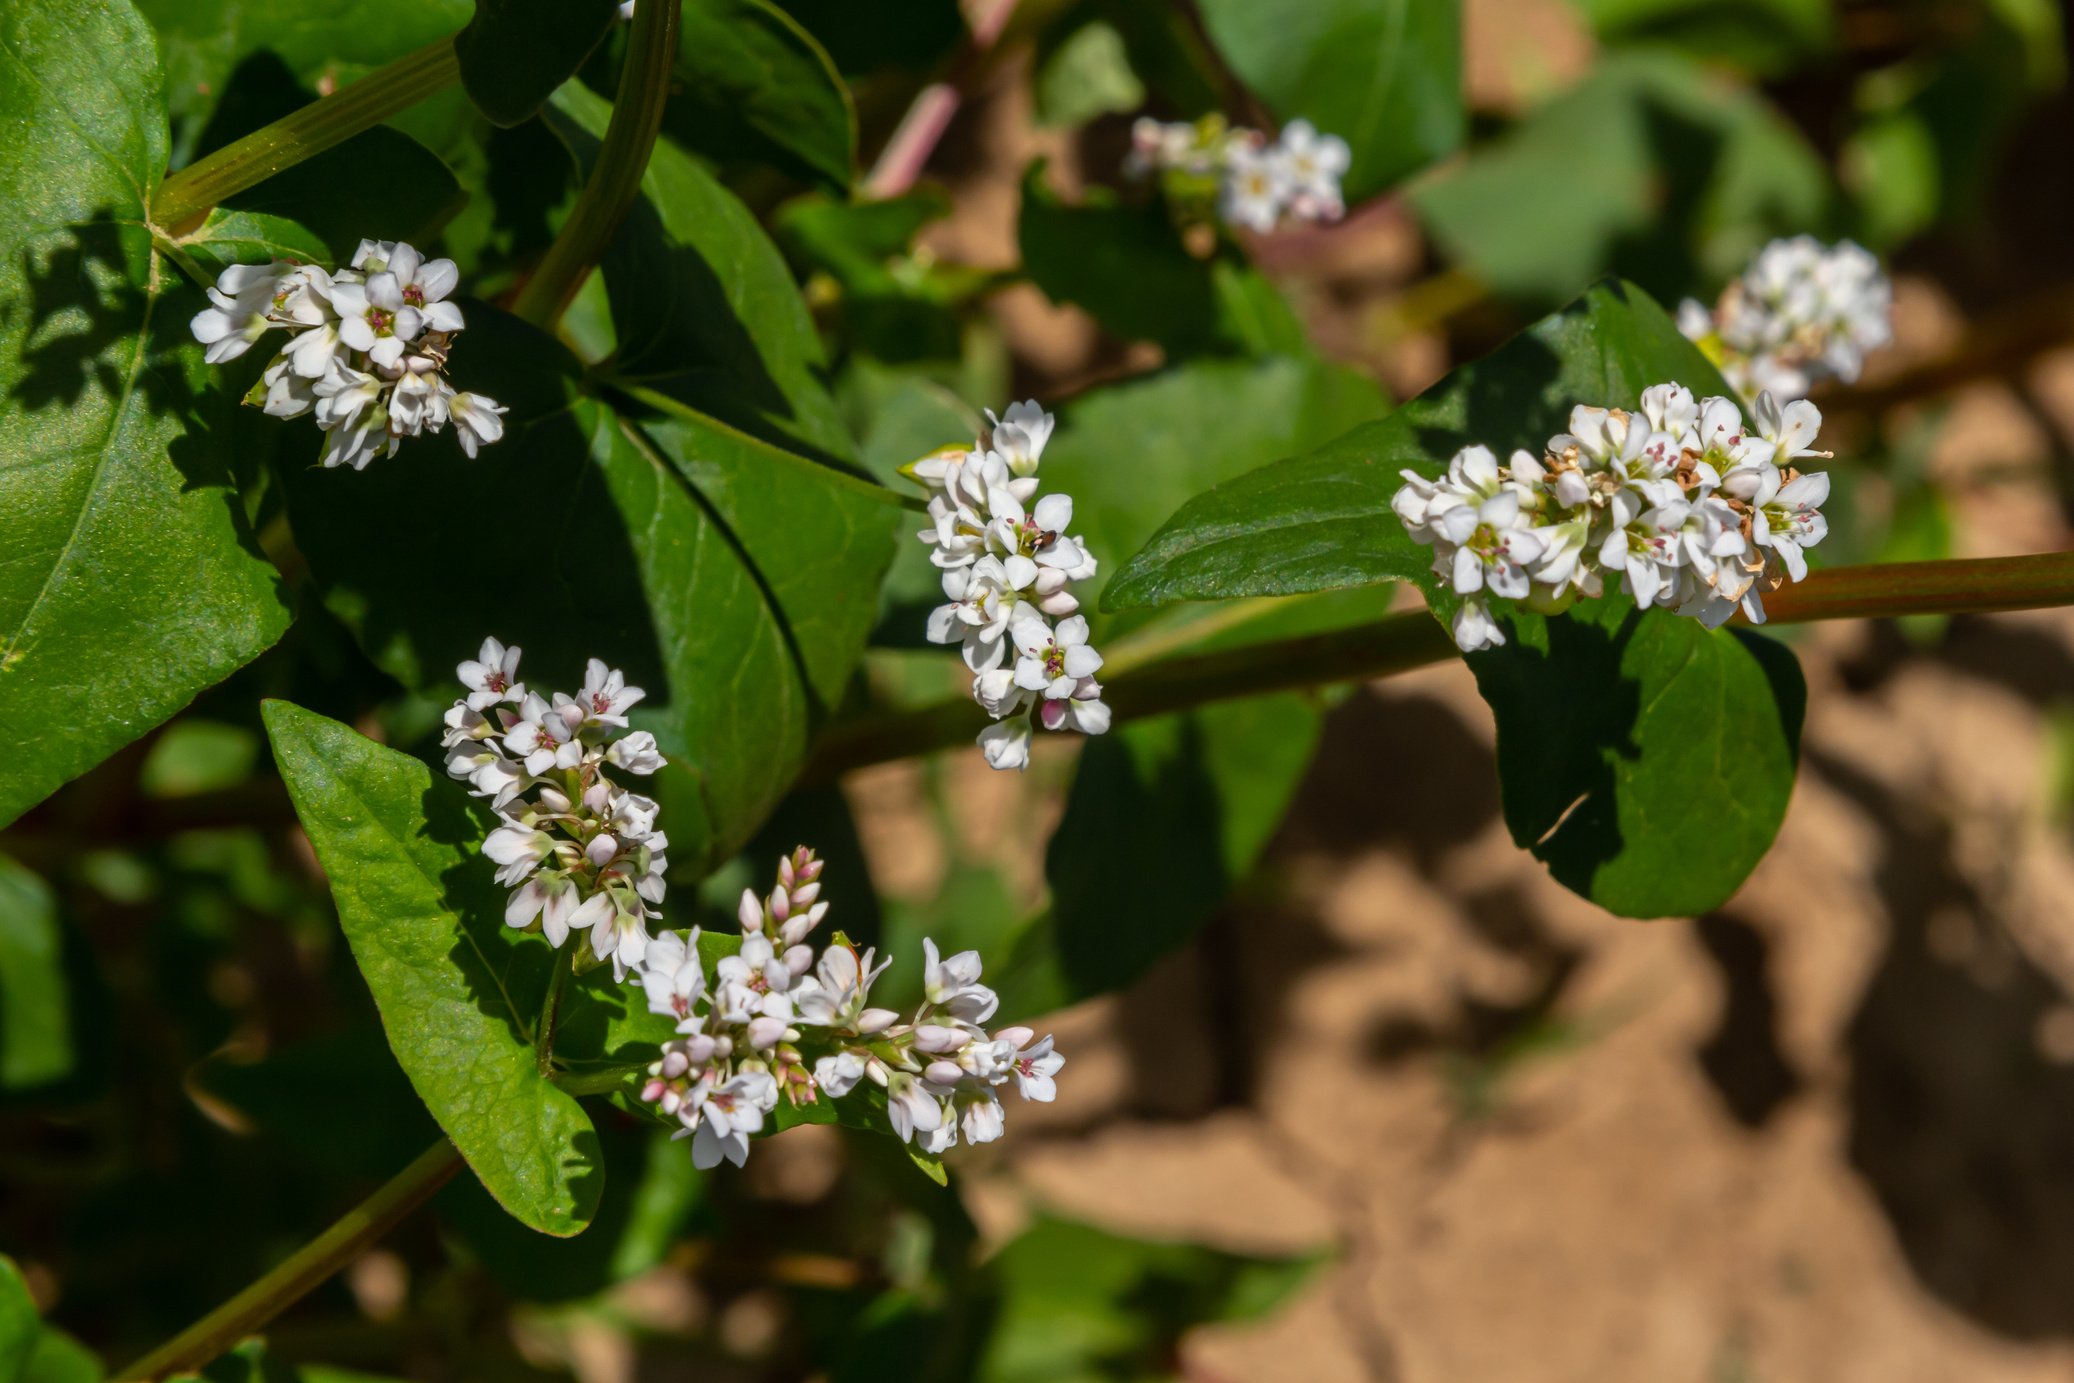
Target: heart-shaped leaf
(458,992)
(131,581)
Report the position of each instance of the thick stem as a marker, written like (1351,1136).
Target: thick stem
(316,127)
(309,1265)
(1401,642)
(1966,586)
(615,179)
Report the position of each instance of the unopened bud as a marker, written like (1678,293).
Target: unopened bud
(876,1020)
(934,1037)
(942,1073)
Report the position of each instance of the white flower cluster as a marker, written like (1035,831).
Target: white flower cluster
(578,851)
(1007,571)
(776,1020)
(1692,509)
(1256,184)
(1802,311)
(365,352)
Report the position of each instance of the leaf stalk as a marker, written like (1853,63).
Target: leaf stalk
(207,182)
(615,178)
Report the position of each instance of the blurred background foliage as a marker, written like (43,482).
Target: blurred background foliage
(192,1077)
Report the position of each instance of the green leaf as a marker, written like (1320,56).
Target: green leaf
(514,53)
(1670,727)
(35,1001)
(1645,759)
(753,86)
(130,582)
(30,1351)
(424,918)
(703,304)
(1384,75)
(1087,74)
(228,237)
(1656,169)
(733,581)
(1080,1303)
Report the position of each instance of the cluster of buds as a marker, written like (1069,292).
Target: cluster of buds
(1801,312)
(777,1020)
(578,851)
(1692,508)
(1007,576)
(366,352)
(1250,181)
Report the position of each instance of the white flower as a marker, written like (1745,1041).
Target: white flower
(228,326)
(983,599)
(1053,661)
(837,1075)
(1474,628)
(728,1116)
(423,285)
(1311,166)
(372,317)
(606,697)
(673,978)
(545,736)
(979,1115)
(914,1111)
(1083,710)
(288,394)
(952,985)
(492,676)
(1006,744)
(552,897)
(1039,534)
(1019,436)
(1495,543)
(618,927)
(1254,189)
(636,753)
(350,409)
(1034,1068)
(477,420)
(842,985)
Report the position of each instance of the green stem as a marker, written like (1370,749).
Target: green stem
(597,1082)
(316,127)
(309,1265)
(551,1008)
(1401,642)
(615,179)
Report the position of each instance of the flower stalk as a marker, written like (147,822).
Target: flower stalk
(615,179)
(1413,639)
(301,1271)
(329,120)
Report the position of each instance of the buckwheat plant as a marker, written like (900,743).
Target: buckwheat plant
(366,351)
(777,1020)
(578,851)
(1007,577)
(1684,503)
(1803,311)
(1249,180)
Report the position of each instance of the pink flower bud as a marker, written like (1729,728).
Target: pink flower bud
(1017,1037)
(601,849)
(799,959)
(933,1037)
(781,905)
(751,913)
(805,894)
(876,1020)
(942,1073)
